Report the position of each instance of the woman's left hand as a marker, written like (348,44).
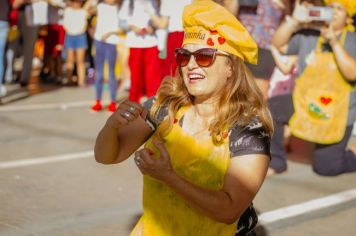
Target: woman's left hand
(329,34)
(159,168)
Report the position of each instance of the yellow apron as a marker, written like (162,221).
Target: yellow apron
(321,99)
(198,161)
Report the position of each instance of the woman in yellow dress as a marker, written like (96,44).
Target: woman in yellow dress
(206,133)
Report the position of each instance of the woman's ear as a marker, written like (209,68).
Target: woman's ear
(229,69)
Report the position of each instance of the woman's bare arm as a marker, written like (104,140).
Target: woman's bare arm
(121,135)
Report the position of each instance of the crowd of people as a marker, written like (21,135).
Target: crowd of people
(202,76)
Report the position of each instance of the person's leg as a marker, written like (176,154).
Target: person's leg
(152,78)
(80,62)
(111,55)
(281,108)
(4,27)
(99,60)
(59,49)
(29,35)
(335,159)
(69,65)
(10,54)
(136,65)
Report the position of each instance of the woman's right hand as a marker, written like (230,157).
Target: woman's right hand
(300,12)
(126,112)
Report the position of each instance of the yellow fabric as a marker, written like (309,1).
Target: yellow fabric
(321,100)
(206,22)
(198,161)
(350,5)
(13,34)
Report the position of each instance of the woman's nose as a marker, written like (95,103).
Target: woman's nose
(192,63)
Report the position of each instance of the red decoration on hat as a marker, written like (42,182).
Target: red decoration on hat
(213,32)
(221,40)
(210,42)
(325,100)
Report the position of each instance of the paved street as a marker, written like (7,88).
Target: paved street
(52,186)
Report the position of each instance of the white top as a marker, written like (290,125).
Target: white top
(37,13)
(107,21)
(75,21)
(174,10)
(140,17)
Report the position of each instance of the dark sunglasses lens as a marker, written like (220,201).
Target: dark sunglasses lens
(204,57)
(182,57)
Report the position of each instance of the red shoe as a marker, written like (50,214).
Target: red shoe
(112,107)
(97,106)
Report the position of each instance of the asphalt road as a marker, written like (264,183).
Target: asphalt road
(50,184)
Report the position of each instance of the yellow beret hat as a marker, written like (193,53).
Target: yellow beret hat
(350,5)
(208,23)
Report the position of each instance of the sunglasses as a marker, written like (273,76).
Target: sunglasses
(203,57)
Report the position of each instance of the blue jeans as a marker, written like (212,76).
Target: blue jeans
(103,52)
(4,28)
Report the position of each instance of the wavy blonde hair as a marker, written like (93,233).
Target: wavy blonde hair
(240,102)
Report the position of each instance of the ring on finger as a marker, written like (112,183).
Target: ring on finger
(132,109)
(126,114)
(137,159)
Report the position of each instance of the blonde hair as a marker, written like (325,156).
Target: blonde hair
(240,102)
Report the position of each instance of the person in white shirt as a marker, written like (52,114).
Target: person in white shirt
(171,12)
(106,39)
(142,41)
(75,43)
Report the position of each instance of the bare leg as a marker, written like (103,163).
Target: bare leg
(80,60)
(70,66)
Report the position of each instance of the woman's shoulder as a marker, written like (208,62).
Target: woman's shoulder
(252,138)
(161,113)
(351,36)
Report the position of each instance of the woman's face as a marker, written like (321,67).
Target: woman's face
(205,82)
(340,16)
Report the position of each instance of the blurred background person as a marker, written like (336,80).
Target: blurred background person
(143,44)
(75,42)
(54,40)
(12,46)
(322,108)
(284,74)
(171,21)
(262,18)
(106,38)
(231,5)
(4,28)
(29,34)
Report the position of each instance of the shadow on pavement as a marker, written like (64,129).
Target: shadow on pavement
(15,92)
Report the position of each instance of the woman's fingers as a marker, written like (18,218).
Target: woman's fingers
(126,112)
(162,149)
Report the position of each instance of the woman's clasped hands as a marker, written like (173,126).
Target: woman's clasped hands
(149,164)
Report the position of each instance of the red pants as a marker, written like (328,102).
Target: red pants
(168,65)
(145,72)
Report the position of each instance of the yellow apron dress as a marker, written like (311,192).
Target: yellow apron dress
(198,161)
(321,99)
